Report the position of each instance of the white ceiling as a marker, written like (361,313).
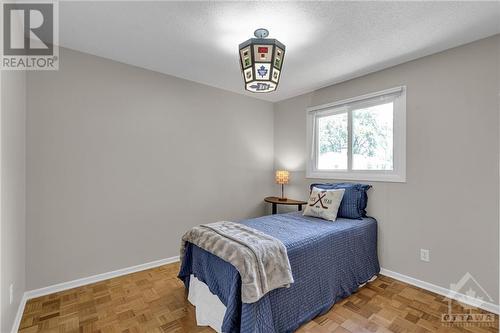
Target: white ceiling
(327,42)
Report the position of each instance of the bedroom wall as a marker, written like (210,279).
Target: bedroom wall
(13,226)
(449,203)
(122,161)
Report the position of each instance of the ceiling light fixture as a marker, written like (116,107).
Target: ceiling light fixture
(261,61)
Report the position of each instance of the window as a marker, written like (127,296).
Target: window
(361,138)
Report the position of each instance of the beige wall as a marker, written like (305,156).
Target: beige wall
(12,230)
(121,161)
(450,201)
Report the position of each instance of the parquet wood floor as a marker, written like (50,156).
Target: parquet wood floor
(155,301)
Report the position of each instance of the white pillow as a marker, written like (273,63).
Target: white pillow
(324,203)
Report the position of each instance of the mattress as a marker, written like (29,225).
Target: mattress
(329,261)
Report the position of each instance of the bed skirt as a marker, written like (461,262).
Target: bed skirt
(209,309)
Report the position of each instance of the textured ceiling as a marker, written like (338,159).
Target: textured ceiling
(327,42)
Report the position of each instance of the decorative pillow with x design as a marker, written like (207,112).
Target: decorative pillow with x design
(324,203)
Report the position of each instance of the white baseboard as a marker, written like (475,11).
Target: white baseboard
(84,281)
(491,307)
(99,277)
(19,314)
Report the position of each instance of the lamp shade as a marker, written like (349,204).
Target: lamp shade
(282,177)
(261,60)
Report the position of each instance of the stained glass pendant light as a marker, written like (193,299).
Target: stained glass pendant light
(261,61)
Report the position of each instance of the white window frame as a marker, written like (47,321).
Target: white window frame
(398,174)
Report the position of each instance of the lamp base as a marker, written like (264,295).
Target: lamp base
(282,198)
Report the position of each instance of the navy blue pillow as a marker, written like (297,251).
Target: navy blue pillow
(355,200)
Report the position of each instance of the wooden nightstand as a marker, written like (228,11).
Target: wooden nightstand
(275,201)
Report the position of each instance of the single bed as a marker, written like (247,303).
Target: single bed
(329,261)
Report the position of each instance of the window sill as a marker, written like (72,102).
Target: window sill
(358,176)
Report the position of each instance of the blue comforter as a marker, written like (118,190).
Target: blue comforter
(329,261)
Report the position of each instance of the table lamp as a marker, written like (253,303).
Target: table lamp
(282,177)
